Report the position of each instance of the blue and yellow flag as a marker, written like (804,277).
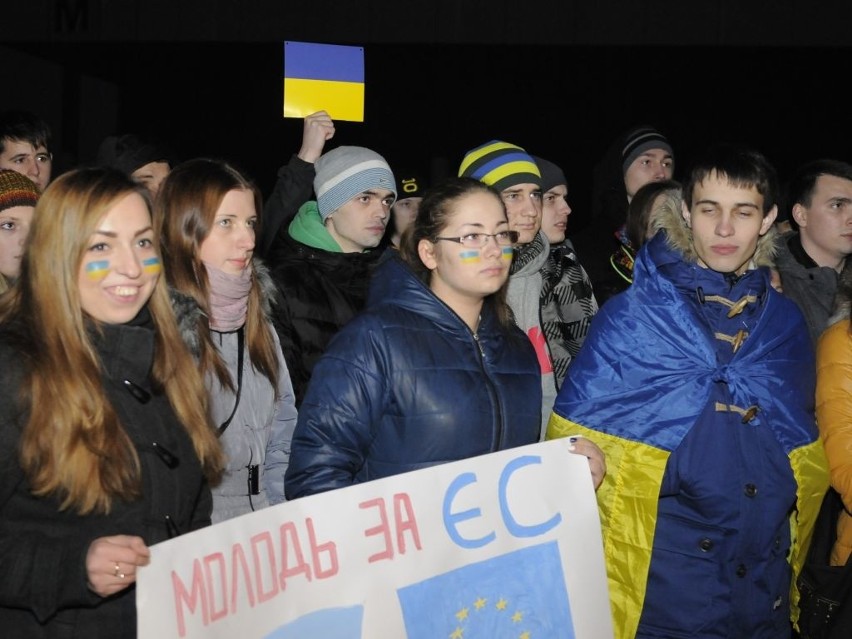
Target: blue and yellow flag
(326,77)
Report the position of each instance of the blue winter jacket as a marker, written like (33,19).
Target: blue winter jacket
(406,385)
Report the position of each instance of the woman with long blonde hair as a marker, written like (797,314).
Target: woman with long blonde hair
(106,446)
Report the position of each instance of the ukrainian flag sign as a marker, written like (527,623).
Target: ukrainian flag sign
(326,77)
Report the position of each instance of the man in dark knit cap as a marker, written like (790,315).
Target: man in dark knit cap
(145,162)
(641,155)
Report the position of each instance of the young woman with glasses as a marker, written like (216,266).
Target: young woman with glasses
(434,370)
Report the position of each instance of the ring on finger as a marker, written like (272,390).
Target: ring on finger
(117,572)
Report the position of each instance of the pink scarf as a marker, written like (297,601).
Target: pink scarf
(228,298)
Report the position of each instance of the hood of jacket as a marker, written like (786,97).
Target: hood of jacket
(308,228)
(679,237)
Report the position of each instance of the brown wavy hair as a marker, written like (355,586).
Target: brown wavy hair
(185,212)
(73,444)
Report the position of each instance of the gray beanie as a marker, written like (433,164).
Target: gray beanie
(551,174)
(346,171)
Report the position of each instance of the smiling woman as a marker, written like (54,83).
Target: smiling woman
(105,443)
(120,266)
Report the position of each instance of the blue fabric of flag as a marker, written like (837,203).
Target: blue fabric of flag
(329,623)
(310,61)
(518,595)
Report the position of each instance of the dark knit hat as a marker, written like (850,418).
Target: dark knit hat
(639,140)
(551,175)
(411,184)
(501,165)
(129,152)
(17,190)
(346,171)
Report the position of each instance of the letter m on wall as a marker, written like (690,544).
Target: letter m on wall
(71,16)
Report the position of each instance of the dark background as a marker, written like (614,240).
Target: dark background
(207,78)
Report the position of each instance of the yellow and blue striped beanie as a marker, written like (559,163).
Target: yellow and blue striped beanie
(501,165)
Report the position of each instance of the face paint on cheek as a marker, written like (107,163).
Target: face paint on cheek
(470,256)
(507,253)
(97,270)
(152,265)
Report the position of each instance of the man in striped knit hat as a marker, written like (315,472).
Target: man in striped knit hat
(510,170)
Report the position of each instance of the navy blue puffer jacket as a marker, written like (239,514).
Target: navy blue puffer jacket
(406,385)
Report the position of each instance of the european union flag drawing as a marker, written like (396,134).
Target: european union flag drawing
(519,595)
(330,623)
(323,76)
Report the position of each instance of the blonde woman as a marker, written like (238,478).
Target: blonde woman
(105,443)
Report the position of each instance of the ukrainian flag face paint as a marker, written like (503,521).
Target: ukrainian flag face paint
(97,270)
(507,253)
(120,265)
(152,265)
(470,256)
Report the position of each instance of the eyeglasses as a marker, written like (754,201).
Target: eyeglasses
(479,240)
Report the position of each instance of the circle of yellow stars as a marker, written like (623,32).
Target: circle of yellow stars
(502,606)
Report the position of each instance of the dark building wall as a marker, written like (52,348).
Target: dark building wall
(441,76)
(549,22)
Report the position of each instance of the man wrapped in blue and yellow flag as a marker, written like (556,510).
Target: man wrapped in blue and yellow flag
(698,384)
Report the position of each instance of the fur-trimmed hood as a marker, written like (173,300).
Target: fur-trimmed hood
(188,312)
(843,298)
(679,237)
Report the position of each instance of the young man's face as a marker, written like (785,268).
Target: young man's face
(727,221)
(34,162)
(404,213)
(654,165)
(360,223)
(825,226)
(523,205)
(554,213)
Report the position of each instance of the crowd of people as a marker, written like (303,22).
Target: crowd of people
(179,350)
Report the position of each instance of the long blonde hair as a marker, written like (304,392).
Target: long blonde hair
(73,444)
(185,213)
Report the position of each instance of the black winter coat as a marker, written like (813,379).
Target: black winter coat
(319,292)
(43,591)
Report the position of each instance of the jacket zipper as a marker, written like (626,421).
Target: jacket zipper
(492,391)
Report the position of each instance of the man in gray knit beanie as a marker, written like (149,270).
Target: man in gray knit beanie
(322,267)
(347,171)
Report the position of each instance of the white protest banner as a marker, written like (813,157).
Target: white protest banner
(502,545)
